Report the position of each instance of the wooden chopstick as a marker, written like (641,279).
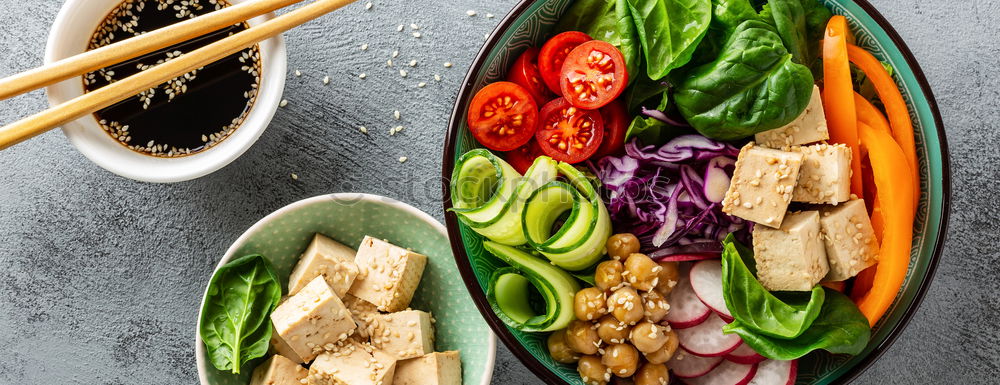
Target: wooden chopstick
(108,95)
(134,47)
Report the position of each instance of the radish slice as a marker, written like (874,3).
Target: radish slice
(707,339)
(688,257)
(717,179)
(706,279)
(774,372)
(745,355)
(727,373)
(687,365)
(686,310)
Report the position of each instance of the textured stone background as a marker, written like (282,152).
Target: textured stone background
(101,277)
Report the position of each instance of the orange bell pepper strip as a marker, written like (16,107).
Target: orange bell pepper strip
(838,286)
(838,95)
(895,108)
(895,194)
(870,115)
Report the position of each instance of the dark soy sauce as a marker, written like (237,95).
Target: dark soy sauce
(189,113)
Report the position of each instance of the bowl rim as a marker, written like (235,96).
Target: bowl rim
(199,347)
(522,354)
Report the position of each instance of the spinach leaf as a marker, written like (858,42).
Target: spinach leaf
(800,23)
(839,328)
(609,21)
(648,130)
(235,319)
(669,31)
(645,89)
(753,86)
(754,307)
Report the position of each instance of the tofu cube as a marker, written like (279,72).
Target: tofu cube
(825,175)
(328,258)
(793,257)
(352,363)
(279,346)
(312,320)
(762,185)
(444,368)
(404,334)
(850,241)
(809,127)
(364,314)
(387,274)
(278,370)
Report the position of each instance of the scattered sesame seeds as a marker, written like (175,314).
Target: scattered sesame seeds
(395,54)
(326,80)
(363,129)
(368,6)
(489,15)
(295,176)
(470,13)
(395,114)
(362,75)
(364,47)
(447,64)
(422,84)
(413,63)
(402,73)
(437,77)
(284,102)
(416,35)
(399,28)
(388,62)
(398,129)
(298,73)
(402,159)
(414,26)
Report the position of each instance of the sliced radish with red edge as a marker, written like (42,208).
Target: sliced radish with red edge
(686,310)
(774,372)
(707,338)
(688,257)
(687,365)
(706,279)
(745,355)
(727,373)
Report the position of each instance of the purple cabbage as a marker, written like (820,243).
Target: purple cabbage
(670,196)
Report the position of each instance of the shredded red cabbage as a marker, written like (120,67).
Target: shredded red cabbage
(670,196)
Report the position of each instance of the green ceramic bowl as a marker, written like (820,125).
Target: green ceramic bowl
(531,22)
(284,234)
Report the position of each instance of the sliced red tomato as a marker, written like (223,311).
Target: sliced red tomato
(569,134)
(503,116)
(553,54)
(616,123)
(523,157)
(593,75)
(525,73)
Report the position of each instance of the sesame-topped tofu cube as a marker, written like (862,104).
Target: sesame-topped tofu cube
(793,257)
(762,185)
(404,334)
(352,363)
(850,240)
(809,127)
(279,346)
(364,314)
(387,274)
(825,175)
(278,370)
(444,368)
(328,258)
(312,320)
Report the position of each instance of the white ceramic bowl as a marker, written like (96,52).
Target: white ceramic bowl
(70,34)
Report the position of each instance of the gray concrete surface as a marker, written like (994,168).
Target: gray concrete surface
(100,277)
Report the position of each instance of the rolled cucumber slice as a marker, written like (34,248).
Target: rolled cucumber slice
(508,292)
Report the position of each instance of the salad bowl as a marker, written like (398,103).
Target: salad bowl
(531,22)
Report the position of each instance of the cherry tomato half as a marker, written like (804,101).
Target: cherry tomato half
(523,157)
(553,54)
(616,123)
(503,116)
(593,75)
(525,73)
(569,134)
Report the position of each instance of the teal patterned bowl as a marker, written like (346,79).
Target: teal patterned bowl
(532,21)
(284,234)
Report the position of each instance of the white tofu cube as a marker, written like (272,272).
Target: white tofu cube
(825,175)
(809,127)
(387,274)
(312,320)
(364,314)
(352,363)
(404,334)
(793,257)
(328,258)
(278,370)
(762,185)
(444,368)
(849,238)
(279,346)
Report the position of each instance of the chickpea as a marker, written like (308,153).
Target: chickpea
(590,304)
(622,359)
(668,275)
(652,374)
(655,305)
(612,331)
(620,246)
(626,305)
(608,274)
(666,351)
(592,371)
(648,337)
(559,350)
(641,272)
(582,338)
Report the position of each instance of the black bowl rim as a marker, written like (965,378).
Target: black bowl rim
(543,373)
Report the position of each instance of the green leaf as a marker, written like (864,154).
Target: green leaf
(840,328)
(754,307)
(753,86)
(669,31)
(609,21)
(235,319)
(801,24)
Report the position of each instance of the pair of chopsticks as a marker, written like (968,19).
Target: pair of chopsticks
(108,95)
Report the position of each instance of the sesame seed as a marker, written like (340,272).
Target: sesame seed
(402,73)
(364,47)
(294,176)
(470,13)
(395,114)
(413,63)
(326,80)
(284,102)
(437,78)
(416,35)
(447,64)
(399,28)
(422,84)
(489,15)
(298,73)
(362,75)
(398,128)
(363,129)
(368,6)
(402,159)
(414,26)
(395,54)
(388,62)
